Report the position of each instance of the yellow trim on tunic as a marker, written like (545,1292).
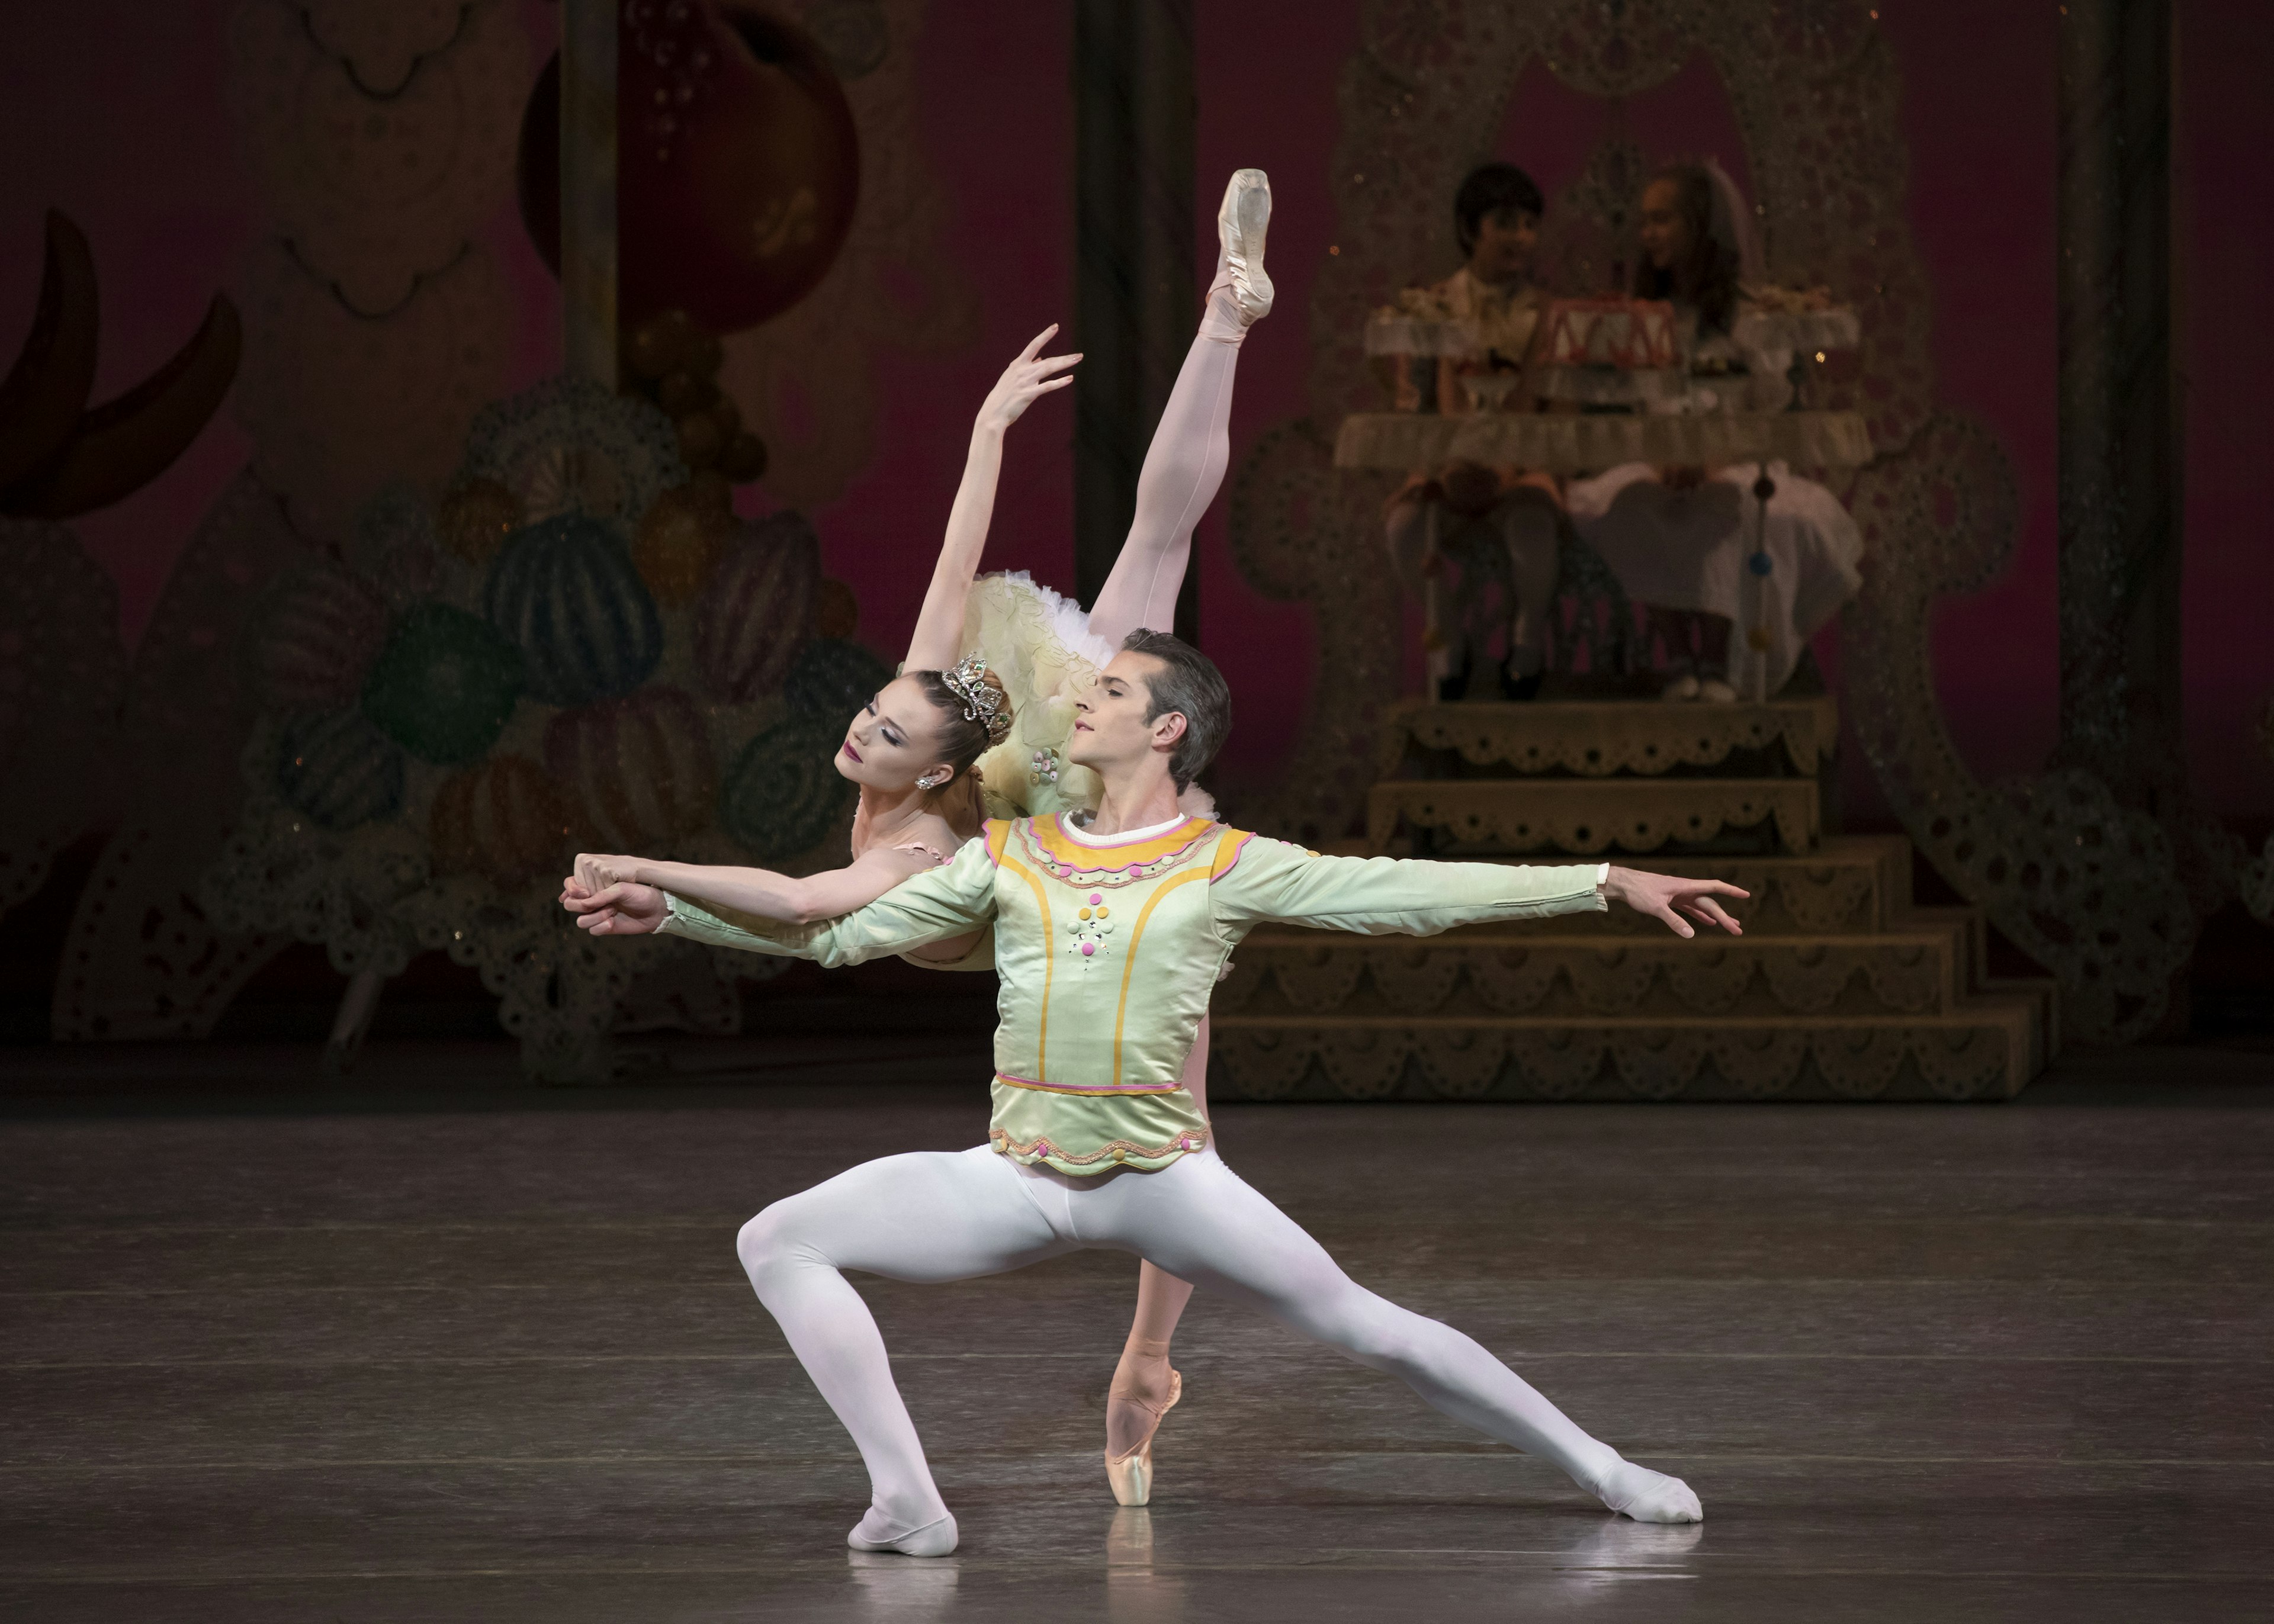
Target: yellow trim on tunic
(1103,853)
(1049,962)
(1227,852)
(1129,956)
(997,835)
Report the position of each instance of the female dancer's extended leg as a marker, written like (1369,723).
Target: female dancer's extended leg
(1192,445)
(1144,1385)
(1202,1223)
(936,1216)
(1183,468)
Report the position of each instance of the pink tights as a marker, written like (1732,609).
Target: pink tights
(1183,468)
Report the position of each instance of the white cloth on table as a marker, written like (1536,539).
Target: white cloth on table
(1689,550)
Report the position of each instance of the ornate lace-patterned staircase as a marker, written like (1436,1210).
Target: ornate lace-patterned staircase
(1842,987)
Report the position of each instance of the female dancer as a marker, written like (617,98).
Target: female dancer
(914,749)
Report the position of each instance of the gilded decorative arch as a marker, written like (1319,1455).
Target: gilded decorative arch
(2087,887)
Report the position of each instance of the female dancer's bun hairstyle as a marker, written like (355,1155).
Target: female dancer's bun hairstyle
(964,736)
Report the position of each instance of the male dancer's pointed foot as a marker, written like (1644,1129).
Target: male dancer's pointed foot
(1241,224)
(1647,1496)
(1131,1472)
(876,1531)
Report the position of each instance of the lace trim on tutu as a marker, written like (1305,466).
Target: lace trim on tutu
(1066,620)
(1040,647)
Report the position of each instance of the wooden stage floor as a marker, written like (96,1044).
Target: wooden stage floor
(403,1355)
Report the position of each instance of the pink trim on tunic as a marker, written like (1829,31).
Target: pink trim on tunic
(1028,1082)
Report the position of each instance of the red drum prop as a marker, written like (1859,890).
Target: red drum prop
(738,165)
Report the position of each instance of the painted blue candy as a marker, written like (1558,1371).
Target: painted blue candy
(339,769)
(565,591)
(832,678)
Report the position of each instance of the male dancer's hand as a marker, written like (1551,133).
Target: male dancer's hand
(616,910)
(1669,896)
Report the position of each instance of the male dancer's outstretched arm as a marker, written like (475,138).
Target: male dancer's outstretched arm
(1271,881)
(882,856)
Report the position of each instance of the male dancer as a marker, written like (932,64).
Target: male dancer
(1108,939)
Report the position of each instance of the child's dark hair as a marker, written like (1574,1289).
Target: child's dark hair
(963,740)
(1489,188)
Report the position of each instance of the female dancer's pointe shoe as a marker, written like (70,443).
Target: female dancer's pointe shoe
(879,1532)
(1240,226)
(1132,1474)
(1647,1496)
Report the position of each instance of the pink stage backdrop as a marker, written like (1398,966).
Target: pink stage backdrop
(115,113)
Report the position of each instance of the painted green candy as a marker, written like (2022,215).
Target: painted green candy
(783,795)
(445,685)
(833,677)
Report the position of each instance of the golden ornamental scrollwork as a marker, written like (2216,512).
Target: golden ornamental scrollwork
(1981,1056)
(1919,971)
(1646,737)
(1591,815)
(2091,889)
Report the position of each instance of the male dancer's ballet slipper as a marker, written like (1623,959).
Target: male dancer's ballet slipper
(877,1532)
(1647,1496)
(1132,1474)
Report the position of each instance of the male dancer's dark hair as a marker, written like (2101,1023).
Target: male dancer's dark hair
(1489,188)
(1189,684)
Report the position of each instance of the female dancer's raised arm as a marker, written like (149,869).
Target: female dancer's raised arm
(939,640)
(910,748)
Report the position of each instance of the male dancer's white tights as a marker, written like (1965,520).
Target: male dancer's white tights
(937,1216)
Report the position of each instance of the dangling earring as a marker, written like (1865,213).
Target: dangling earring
(933,780)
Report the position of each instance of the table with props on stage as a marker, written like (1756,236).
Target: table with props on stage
(1631,464)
